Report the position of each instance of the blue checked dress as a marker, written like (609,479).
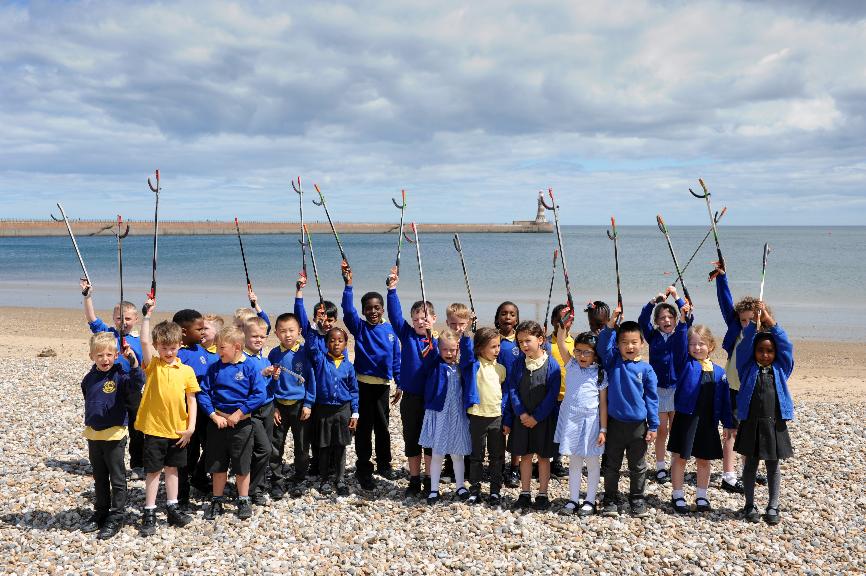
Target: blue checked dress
(447,432)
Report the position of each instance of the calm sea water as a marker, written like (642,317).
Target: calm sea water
(815,277)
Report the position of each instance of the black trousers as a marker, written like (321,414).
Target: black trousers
(263,430)
(196,464)
(625,438)
(373,414)
(301,435)
(136,438)
(486,430)
(332,463)
(109,473)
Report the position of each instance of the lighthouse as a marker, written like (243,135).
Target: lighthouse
(540,224)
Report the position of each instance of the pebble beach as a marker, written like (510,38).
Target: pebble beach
(46,491)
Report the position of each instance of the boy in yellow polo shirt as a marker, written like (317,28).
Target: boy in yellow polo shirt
(556,467)
(166,417)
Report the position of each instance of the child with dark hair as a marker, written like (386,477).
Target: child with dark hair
(657,334)
(533,387)
(597,316)
(505,320)
(377,363)
(324,317)
(632,411)
(414,346)
(765,361)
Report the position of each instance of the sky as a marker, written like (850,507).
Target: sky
(470,107)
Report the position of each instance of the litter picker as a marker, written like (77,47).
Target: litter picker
(244,257)
(763,277)
(300,192)
(550,290)
(706,196)
(664,230)
(423,292)
(321,202)
(613,236)
(402,208)
(459,249)
(555,208)
(65,220)
(717,217)
(313,260)
(155,189)
(120,234)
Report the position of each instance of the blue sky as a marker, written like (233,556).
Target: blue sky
(471,108)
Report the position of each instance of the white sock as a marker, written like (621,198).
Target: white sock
(575,468)
(730,477)
(170,502)
(150,507)
(593,469)
(660,465)
(459,471)
(677,494)
(435,471)
(702,493)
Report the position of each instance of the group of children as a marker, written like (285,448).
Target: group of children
(196,397)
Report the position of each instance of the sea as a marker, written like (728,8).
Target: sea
(814,281)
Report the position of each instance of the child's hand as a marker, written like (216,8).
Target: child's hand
(531,422)
(393,278)
(353,424)
(85,287)
(346,271)
(720,268)
(302,282)
(305,414)
(650,436)
(728,434)
(766,319)
(130,356)
(524,419)
(685,312)
(396,397)
(252,296)
(614,317)
(506,430)
(277,418)
(672,291)
(271,371)
(148,307)
(660,297)
(602,437)
(219,420)
(235,417)
(184,437)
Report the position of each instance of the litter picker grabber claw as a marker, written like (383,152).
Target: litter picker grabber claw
(459,248)
(244,258)
(717,217)
(613,236)
(550,290)
(664,230)
(313,260)
(155,189)
(763,277)
(120,234)
(555,208)
(300,192)
(321,202)
(65,220)
(400,234)
(423,291)
(713,220)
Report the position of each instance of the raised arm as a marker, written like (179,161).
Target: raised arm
(561,335)
(146,348)
(89,312)
(607,346)
(350,314)
(395,311)
(645,318)
(680,346)
(746,350)
(726,300)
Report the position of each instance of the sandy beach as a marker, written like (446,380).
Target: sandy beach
(46,491)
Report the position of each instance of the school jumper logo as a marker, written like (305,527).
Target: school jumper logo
(515,351)
(109,387)
(640,377)
(390,337)
(239,376)
(203,361)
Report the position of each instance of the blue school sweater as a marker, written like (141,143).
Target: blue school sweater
(107,395)
(508,353)
(197,358)
(377,348)
(783,366)
(689,381)
(660,355)
(434,372)
(411,346)
(134,342)
(234,386)
(729,315)
(261,362)
(467,357)
(335,385)
(631,388)
(548,406)
(296,381)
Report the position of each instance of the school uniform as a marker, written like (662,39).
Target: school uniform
(309,331)
(578,424)
(411,383)
(632,408)
(485,418)
(136,438)
(533,387)
(225,389)
(263,428)
(377,364)
(702,401)
(336,404)
(732,339)
(661,355)
(294,390)
(199,359)
(107,396)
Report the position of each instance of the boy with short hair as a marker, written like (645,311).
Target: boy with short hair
(230,391)
(108,390)
(255,333)
(632,408)
(414,346)
(294,395)
(377,364)
(124,323)
(166,417)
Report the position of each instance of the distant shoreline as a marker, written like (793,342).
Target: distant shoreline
(35,228)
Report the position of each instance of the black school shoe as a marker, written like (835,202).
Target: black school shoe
(367,483)
(523,502)
(703,505)
(414,487)
(148,522)
(638,508)
(245,509)
(387,473)
(662,476)
(112,525)
(494,500)
(557,470)
(542,503)
(462,493)
(426,485)
(750,513)
(432,498)
(176,516)
(680,506)
(259,499)
(94,523)
(277,492)
(586,509)
(735,488)
(215,509)
(609,508)
(342,489)
(772,516)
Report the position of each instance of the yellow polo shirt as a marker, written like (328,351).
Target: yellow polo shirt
(490,377)
(554,348)
(163,403)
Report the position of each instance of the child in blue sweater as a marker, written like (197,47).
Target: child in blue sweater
(505,320)
(632,412)
(324,317)
(294,394)
(108,392)
(336,411)
(230,392)
(765,361)
(657,334)
(377,363)
(414,346)
(702,400)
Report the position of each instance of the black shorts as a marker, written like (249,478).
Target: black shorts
(230,445)
(159,453)
(412,416)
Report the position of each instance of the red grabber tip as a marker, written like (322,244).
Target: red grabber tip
(316,186)
(612,221)
(157,173)
(236,219)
